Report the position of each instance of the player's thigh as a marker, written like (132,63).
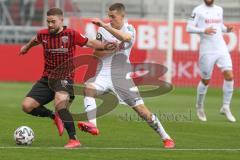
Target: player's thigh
(98,85)
(206,65)
(127,92)
(224,62)
(63,90)
(61,100)
(40,92)
(28,104)
(228,75)
(90,89)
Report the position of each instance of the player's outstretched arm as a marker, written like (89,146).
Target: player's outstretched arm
(191,28)
(102,53)
(192,23)
(101,46)
(29,45)
(122,36)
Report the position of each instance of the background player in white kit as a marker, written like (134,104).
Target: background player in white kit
(124,34)
(207,20)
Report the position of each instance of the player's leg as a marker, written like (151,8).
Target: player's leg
(206,64)
(90,102)
(201,93)
(155,124)
(94,87)
(61,102)
(36,98)
(225,63)
(32,107)
(128,93)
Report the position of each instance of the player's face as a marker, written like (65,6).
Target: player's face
(54,23)
(209,2)
(116,19)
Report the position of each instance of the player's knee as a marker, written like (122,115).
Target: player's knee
(228,76)
(61,97)
(130,102)
(27,106)
(89,90)
(61,100)
(205,81)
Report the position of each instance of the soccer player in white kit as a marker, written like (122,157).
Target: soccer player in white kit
(207,21)
(122,33)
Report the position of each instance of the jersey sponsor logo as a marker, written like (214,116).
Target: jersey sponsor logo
(57,50)
(209,21)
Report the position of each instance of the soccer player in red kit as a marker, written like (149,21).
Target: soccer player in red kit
(58,43)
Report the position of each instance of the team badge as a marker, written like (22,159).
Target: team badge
(64,39)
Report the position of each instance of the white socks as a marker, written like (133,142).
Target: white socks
(227,92)
(90,107)
(157,126)
(201,92)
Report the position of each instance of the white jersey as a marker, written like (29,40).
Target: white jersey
(203,17)
(105,36)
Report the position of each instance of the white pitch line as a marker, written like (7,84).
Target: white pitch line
(119,148)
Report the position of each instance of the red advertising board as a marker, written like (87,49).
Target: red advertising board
(150,46)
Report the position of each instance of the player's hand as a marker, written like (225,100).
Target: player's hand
(98,22)
(110,46)
(210,31)
(230,28)
(23,50)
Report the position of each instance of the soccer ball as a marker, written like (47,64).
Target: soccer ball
(23,135)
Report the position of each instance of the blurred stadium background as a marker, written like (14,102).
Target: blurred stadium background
(122,135)
(20,19)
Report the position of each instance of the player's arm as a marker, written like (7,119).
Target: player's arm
(193,28)
(97,45)
(122,36)
(33,42)
(192,24)
(102,53)
(226,28)
(105,51)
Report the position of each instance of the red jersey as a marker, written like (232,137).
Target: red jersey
(60,48)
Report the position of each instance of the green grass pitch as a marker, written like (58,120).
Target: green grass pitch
(123,136)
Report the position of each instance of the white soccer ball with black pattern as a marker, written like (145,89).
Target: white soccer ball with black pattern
(23,135)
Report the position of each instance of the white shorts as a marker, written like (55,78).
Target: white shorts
(208,61)
(126,91)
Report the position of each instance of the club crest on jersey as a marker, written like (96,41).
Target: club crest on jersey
(64,39)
